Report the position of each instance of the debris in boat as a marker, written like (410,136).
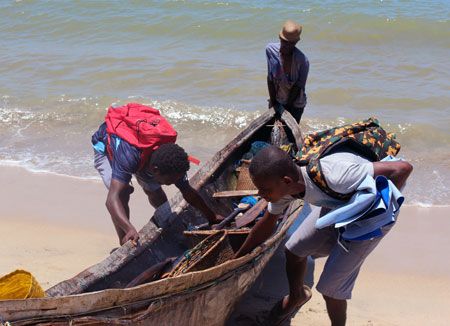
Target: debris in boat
(245,203)
(252,214)
(255,147)
(212,251)
(236,237)
(278,135)
(242,207)
(204,226)
(153,273)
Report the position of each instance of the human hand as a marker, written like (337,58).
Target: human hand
(132,235)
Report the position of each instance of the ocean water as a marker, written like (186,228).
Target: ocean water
(202,63)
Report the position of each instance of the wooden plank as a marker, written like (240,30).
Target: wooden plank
(252,214)
(235,193)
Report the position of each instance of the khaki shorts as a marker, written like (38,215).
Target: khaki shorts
(342,267)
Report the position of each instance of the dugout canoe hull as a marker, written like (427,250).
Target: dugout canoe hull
(96,295)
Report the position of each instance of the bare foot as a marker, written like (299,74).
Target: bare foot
(284,310)
(292,302)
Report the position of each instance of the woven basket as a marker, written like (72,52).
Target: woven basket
(244,180)
(212,251)
(20,284)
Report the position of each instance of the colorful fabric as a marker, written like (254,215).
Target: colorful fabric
(366,137)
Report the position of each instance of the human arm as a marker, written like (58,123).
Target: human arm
(116,203)
(124,163)
(262,230)
(398,171)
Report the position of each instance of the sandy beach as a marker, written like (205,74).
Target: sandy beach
(56,226)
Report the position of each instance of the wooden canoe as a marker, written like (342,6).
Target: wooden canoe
(97,295)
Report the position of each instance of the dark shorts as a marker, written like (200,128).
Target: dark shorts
(103,167)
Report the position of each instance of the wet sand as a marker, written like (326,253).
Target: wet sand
(56,226)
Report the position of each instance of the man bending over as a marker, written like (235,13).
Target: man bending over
(280,181)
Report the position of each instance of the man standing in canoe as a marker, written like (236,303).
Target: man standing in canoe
(280,181)
(137,140)
(287,71)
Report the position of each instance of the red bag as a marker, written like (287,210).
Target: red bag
(141,126)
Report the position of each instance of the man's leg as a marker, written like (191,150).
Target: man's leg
(337,310)
(295,270)
(339,275)
(305,241)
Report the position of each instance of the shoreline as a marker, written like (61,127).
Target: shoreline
(194,169)
(56,226)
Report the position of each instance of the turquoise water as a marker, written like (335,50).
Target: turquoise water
(203,64)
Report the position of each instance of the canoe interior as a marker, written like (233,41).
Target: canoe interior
(172,242)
